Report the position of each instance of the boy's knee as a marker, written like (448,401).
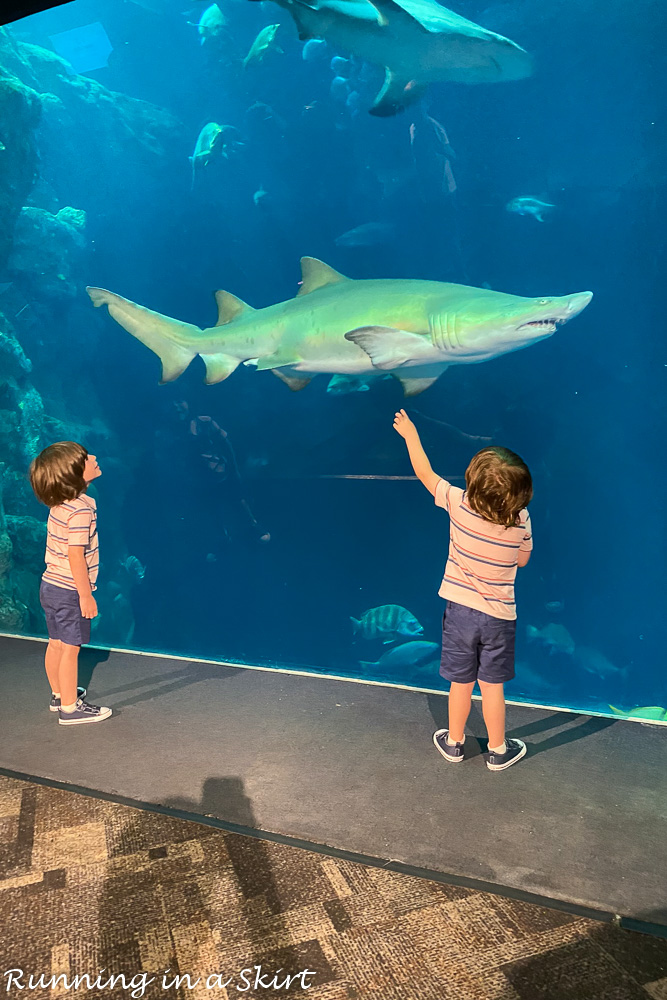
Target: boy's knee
(491,686)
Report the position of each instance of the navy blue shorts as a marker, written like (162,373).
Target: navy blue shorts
(64,620)
(476,646)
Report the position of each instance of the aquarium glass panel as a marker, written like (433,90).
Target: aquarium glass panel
(237,238)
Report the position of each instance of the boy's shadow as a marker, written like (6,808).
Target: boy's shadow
(185,675)
(89,657)
(588,726)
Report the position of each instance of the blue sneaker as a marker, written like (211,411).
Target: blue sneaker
(83,713)
(55,702)
(454,752)
(516,749)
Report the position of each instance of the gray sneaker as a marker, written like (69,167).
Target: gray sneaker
(516,749)
(55,702)
(453,753)
(83,713)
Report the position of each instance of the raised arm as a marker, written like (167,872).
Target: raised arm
(420,463)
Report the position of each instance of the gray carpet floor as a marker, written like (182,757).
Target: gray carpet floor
(352,767)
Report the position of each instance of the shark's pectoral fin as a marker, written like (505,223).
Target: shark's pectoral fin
(218,367)
(229,307)
(173,342)
(413,386)
(400,16)
(396,95)
(316,274)
(294,382)
(389,348)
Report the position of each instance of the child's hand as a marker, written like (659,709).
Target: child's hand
(403,425)
(88,607)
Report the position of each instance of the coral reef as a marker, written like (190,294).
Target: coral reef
(112,138)
(14,615)
(46,252)
(20,110)
(52,120)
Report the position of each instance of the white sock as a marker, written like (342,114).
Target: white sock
(500,750)
(68,708)
(56,694)
(452,743)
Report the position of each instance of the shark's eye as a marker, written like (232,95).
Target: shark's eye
(544,302)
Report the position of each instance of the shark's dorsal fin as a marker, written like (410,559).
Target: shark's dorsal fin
(229,307)
(316,274)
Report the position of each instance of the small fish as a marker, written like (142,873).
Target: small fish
(211,24)
(555,606)
(655,712)
(596,663)
(530,206)
(209,143)
(353,102)
(314,49)
(211,557)
(387,623)
(259,111)
(134,568)
(531,683)
(259,195)
(371,234)
(339,89)
(341,67)
(213,140)
(555,637)
(264,43)
(342,385)
(408,656)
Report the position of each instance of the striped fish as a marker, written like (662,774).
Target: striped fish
(387,623)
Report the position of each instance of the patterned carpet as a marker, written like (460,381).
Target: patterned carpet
(87,885)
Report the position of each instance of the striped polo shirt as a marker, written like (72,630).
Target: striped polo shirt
(482,561)
(71,523)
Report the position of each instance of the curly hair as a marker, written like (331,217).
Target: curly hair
(499,485)
(56,474)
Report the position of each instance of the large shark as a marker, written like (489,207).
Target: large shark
(417,42)
(336,325)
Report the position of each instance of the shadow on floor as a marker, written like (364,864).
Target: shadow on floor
(579,727)
(583,969)
(264,889)
(179,677)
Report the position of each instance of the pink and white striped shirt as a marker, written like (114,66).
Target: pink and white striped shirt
(73,522)
(483,556)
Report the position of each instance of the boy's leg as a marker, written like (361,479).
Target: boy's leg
(493,710)
(69,666)
(495,668)
(52,663)
(460,700)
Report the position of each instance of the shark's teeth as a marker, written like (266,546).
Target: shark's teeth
(553,323)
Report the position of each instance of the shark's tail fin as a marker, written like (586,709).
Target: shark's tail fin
(175,343)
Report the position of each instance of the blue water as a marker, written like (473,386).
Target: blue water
(584,408)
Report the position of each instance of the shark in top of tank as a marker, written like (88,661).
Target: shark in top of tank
(416,41)
(336,325)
